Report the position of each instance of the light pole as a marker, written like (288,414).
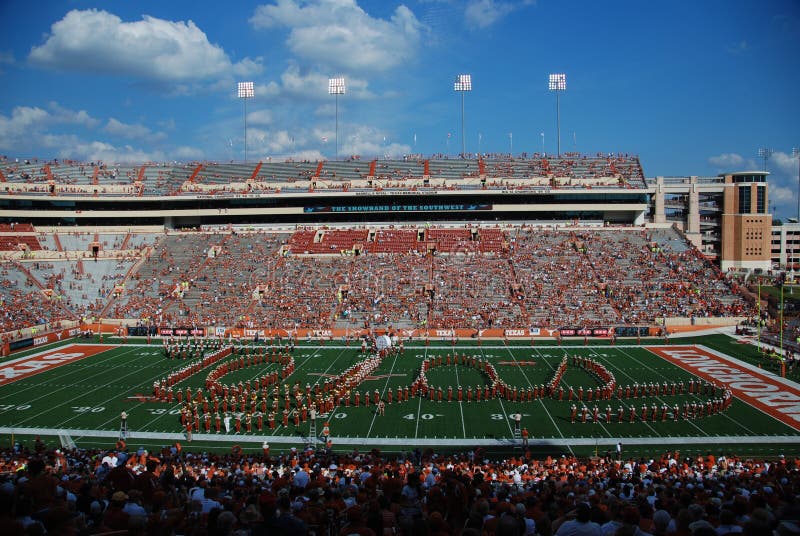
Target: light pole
(796,154)
(558,83)
(336,87)
(245,91)
(463,84)
(765,153)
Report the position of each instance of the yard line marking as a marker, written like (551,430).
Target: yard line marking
(419,410)
(419,395)
(541,402)
(461,409)
(385,385)
(342,353)
(502,407)
(505,414)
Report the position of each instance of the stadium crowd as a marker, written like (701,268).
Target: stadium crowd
(519,277)
(322,492)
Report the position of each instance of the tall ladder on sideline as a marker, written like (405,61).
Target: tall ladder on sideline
(312,430)
(123,426)
(517,431)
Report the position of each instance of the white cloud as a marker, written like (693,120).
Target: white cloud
(59,114)
(116,127)
(314,85)
(782,195)
(26,124)
(318,142)
(259,117)
(99,42)
(271,142)
(70,146)
(30,130)
(368,141)
(742,47)
(187,153)
(94,151)
(782,179)
(23,121)
(484,13)
(340,34)
(311,155)
(783,183)
(727,161)
(783,163)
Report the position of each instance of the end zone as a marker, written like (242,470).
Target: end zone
(774,396)
(29,365)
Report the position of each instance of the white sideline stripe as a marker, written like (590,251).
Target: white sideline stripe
(401,441)
(417,345)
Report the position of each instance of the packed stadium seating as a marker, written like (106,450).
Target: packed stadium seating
(470,277)
(319,492)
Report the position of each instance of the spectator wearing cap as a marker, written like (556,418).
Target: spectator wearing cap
(116,518)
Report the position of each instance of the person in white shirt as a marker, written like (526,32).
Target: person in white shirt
(579,523)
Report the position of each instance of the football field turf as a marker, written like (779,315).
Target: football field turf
(82,397)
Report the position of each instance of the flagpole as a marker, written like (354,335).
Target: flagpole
(781,319)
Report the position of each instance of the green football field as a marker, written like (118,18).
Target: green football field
(82,400)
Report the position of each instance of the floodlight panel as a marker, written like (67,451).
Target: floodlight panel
(245,90)
(463,83)
(336,86)
(558,82)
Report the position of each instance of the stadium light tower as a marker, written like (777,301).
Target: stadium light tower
(245,91)
(558,83)
(336,87)
(463,84)
(765,153)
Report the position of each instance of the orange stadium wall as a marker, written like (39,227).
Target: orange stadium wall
(673,325)
(46,338)
(118,328)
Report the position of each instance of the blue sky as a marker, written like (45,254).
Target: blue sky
(694,88)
